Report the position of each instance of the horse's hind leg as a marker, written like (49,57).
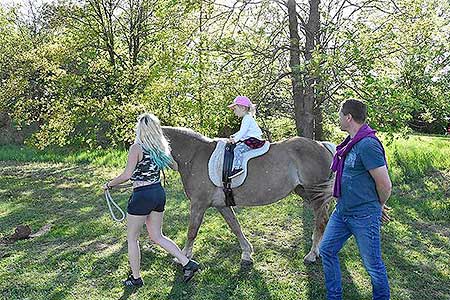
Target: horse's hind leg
(319,201)
(195,220)
(247,248)
(320,221)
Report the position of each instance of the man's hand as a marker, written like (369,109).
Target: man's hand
(384,214)
(231,140)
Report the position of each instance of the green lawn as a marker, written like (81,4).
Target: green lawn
(83,256)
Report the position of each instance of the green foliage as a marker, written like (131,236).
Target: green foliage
(281,128)
(401,81)
(76,84)
(416,157)
(395,59)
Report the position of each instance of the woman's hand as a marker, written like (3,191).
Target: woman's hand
(106,186)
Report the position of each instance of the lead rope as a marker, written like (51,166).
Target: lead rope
(110,200)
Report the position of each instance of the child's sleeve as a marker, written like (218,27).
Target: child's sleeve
(245,125)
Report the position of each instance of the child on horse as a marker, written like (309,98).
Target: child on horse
(249,135)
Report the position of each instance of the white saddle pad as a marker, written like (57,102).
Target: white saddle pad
(215,164)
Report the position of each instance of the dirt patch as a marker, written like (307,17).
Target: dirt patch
(23,232)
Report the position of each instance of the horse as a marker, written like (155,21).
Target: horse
(298,165)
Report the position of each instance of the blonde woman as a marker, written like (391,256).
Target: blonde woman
(149,154)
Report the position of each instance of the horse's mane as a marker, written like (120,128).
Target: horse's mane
(191,133)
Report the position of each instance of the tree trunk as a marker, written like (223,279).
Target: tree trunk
(318,123)
(312,39)
(294,63)
(303,84)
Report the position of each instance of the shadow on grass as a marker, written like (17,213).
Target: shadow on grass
(85,244)
(414,253)
(127,292)
(228,284)
(315,277)
(72,204)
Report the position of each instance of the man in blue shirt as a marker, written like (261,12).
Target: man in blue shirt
(362,187)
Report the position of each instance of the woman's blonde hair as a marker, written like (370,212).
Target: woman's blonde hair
(152,140)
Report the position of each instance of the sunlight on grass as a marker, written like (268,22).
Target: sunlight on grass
(83,256)
(110,157)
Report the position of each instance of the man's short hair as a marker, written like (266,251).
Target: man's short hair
(356,108)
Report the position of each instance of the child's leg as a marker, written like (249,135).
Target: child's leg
(239,151)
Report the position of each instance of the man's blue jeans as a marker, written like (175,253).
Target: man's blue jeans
(366,230)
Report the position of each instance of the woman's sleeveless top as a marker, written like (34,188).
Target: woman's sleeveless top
(146,170)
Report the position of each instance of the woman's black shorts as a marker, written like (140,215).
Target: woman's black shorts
(146,199)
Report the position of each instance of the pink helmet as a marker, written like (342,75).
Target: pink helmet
(241,100)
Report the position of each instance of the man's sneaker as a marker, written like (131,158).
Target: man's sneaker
(131,282)
(235,173)
(189,270)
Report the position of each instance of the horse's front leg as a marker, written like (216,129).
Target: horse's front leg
(247,248)
(195,220)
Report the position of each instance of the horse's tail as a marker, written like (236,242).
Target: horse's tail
(320,191)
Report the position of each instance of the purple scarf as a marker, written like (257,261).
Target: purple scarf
(341,152)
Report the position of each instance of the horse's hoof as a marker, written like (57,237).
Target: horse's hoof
(309,259)
(246,263)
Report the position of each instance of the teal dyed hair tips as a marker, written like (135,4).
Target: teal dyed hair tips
(161,159)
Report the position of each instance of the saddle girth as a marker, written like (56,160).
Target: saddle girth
(227,167)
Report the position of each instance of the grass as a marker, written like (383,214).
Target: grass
(97,158)
(83,256)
